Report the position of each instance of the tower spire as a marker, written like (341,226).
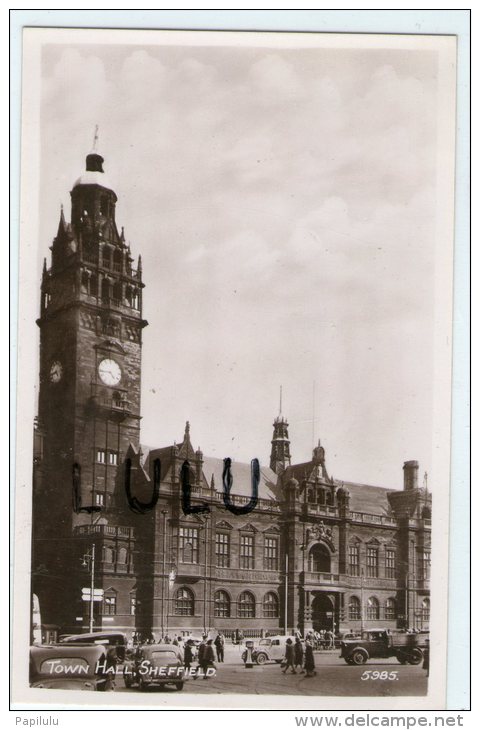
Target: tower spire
(280,408)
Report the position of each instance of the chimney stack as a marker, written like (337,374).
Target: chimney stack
(410,475)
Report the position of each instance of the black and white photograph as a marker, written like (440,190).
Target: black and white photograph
(235,317)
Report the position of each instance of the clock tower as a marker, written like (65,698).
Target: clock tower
(90,367)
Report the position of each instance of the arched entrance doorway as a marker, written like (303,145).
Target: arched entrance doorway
(323,612)
(319,559)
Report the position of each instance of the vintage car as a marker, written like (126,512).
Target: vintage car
(115,639)
(382,643)
(69,667)
(154,665)
(270,649)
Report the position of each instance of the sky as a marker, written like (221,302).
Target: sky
(283,203)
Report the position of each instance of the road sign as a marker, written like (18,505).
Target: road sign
(96,592)
(95,598)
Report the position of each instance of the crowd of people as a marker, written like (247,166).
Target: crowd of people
(298,657)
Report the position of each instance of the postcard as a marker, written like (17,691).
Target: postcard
(234,373)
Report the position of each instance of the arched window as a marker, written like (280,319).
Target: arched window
(117,260)
(184,602)
(426,609)
(107,554)
(133,603)
(122,556)
(270,605)
(222,604)
(246,605)
(117,292)
(319,559)
(85,282)
(373,608)
(105,290)
(390,609)
(354,609)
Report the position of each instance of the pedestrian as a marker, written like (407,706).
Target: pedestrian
(208,657)
(426,657)
(188,655)
(200,657)
(219,646)
(309,658)
(289,660)
(298,654)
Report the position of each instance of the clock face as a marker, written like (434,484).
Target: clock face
(56,371)
(110,372)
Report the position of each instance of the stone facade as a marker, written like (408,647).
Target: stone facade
(315,552)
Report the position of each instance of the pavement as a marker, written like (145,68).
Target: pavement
(378,678)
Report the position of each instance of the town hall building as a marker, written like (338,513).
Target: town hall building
(314,552)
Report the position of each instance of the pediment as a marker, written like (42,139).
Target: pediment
(355,540)
(273,529)
(248,528)
(373,541)
(223,525)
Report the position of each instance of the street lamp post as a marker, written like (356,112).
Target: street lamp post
(362,607)
(91,557)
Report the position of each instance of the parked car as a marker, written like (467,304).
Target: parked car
(270,649)
(155,665)
(381,643)
(115,639)
(69,667)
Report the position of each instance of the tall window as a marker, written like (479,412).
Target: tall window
(372,562)
(373,608)
(184,602)
(319,559)
(222,549)
(246,605)
(426,610)
(109,605)
(354,609)
(122,556)
(270,605)
(108,554)
(390,609)
(426,565)
(133,603)
(354,559)
(246,551)
(270,555)
(188,545)
(222,604)
(390,563)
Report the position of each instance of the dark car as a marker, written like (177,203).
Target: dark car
(69,667)
(155,665)
(112,639)
(382,643)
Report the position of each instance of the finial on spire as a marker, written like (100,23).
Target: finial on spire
(187,429)
(95,139)
(280,407)
(425,480)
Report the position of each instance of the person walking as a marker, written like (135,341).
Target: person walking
(188,655)
(289,657)
(201,657)
(298,654)
(426,657)
(209,657)
(309,658)
(219,646)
